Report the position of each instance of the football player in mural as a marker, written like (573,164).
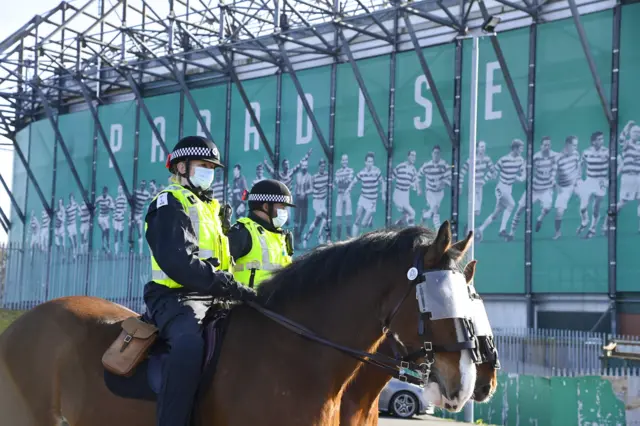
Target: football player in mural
(303,189)
(237,188)
(405,176)
(259,174)
(568,174)
(369,177)
(44,229)
(217,188)
(483,165)
(437,175)
(59,224)
(105,205)
(140,198)
(35,231)
(629,166)
(509,169)
(118,217)
(544,177)
(343,178)
(85,225)
(596,160)
(72,225)
(153,188)
(320,194)
(285,174)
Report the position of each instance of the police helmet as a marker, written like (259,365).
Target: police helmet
(194,148)
(269,191)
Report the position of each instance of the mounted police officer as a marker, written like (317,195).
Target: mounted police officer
(190,262)
(258,243)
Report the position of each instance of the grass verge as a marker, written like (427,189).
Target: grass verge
(7,317)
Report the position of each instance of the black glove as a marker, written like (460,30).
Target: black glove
(225,217)
(227,286)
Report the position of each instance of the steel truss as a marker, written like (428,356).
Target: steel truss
(86,54)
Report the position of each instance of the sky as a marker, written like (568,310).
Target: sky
(14,15)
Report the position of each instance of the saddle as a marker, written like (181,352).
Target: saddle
(133,364)
(131,347)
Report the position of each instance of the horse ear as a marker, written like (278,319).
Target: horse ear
(470,270)
(460,248)
(440,245)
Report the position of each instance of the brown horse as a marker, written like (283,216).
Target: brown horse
(50,366)
(359,404)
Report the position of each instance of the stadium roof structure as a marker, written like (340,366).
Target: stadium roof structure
(82,54)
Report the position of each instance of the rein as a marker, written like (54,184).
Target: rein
(401,367)
(397,368)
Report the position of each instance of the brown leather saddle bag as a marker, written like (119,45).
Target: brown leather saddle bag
(130,348)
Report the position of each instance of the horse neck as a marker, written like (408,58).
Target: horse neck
(349,317)
(363,391)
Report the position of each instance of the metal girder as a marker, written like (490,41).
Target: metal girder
(14,203)
(613,167)
(392,111)
(365,92)
(63,145)
(147,115)
(6,223)
(316,127)
(455,148)
(25,164)
(187,93)
(528,240)
(278,124)
(247,104)
(505,71)
(227,140)
(432,83)
(592,65)
(105,141)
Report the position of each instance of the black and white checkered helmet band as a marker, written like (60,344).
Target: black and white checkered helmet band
(196,151)
(270,198)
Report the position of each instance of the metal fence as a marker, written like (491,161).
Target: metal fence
(31,276)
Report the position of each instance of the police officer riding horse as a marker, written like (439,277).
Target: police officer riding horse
(191,264)
(258,243)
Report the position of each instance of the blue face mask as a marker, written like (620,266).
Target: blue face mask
(203,177)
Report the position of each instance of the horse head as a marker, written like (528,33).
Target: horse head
(444,344)
(487,370)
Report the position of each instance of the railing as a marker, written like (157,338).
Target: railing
(31,276)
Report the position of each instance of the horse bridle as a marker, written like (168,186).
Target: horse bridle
(417,275)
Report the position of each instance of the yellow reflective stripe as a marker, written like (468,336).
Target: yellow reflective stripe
(265,265)
(195,221)
(158,275)
(205,254)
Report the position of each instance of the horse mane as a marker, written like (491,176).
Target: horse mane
(332,265)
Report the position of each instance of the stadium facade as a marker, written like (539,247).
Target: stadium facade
(371,98)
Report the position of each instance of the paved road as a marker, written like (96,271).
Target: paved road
(417,421)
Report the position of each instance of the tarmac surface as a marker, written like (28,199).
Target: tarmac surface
(416,421)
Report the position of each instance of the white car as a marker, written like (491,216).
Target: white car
(403,400)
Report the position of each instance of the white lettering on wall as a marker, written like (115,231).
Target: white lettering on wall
(422,122)
(250,130)
(490,90)
(206,116)
(304,134)
(115,140)
(360,113)
(156,148)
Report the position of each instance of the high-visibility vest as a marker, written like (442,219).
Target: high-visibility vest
(206,223)
(268,253)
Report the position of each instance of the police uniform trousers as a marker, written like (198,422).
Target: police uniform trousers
(177,318)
